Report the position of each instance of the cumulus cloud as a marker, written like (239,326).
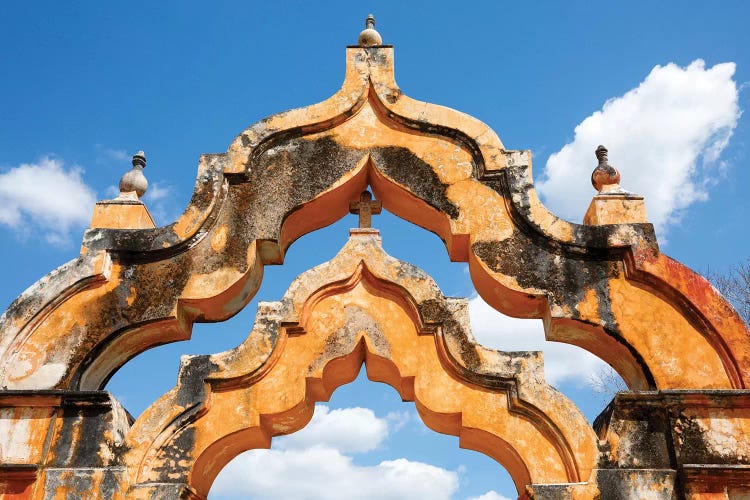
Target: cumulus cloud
(157,192)
(325,473)
(665,136)
(562,362)
(312,464)
(159,199)
(108,155)
(349,430)
(47,196)
(490,495)
(398,419)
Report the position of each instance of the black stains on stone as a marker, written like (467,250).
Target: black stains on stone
(145,293)
(159,243)
(410,171)
(85,421)
(612,487)
(377,56)
(78,484)
(191,386)
(629,484)
(566,278)
(288,175)
(644,438)
(552,492)
(176,457)
(109,485)
(515,184)
(165,491)
(693,445)
(435,311)
(393,95)
(269,327)
(72,275)
(64,447)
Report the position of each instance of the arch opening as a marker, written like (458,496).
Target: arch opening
(335,318)
(149,375)
(420,421)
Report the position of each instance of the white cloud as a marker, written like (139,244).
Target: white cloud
(665,137)
(116,154)
(47,196)
(325,473)
(312,463)
(490,495)
(398,419)
(160,201)
(562,362)
(349,430)
(157,192)
(110,156)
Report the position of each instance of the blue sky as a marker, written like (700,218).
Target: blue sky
(85,85)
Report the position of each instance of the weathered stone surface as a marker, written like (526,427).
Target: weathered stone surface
(361,307)
(605,287)
(61,443)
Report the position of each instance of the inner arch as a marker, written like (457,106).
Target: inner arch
(370,425)
(336,373)
(364,307)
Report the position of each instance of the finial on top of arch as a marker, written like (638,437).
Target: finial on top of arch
(604,174)
(126,211)
(612,204)
(134,180)
(369,36)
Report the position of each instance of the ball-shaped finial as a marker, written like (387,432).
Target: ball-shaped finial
(369,36)
(134,180)
(604,174)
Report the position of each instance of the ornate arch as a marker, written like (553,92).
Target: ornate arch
(295,172)
(604,287)
(361,307)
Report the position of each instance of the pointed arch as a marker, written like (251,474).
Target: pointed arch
(361,307)
(441,169)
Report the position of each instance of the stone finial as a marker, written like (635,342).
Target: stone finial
(369,36)
(604,174)
(126,211)
(134,180)
(612,204)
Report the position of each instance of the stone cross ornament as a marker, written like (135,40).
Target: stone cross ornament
(365,207)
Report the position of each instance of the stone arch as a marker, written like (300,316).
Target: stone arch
(293,172)
(316,339)
(604,286)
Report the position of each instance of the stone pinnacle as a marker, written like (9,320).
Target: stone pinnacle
(369,36)
(134,180)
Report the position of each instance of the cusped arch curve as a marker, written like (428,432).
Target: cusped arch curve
(361,307)
(295,172)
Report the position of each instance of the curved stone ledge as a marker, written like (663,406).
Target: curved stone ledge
(438,168)
(177,424)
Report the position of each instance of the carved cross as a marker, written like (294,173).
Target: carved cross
(365,207)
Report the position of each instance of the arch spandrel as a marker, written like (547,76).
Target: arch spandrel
(361,307)
(294,172)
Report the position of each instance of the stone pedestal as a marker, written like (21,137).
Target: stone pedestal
(124,212)
(615,208)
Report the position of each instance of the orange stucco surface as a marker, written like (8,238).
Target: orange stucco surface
(604,286)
